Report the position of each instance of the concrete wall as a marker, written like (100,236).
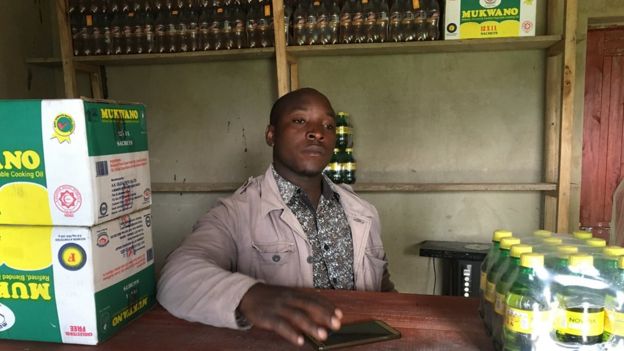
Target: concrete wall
(26,32)
(467,117)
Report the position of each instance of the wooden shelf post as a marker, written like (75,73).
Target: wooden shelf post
(281,62)
(67,54)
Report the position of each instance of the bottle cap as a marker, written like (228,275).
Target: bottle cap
(542,233)
(342,114)
(621,262)
(567,249)
(499,234)
(613,251)
(582,234)
(581,260)
(336,150)
(349,149)
(532,260)
(519,249)
(552,241)
(596,242)
(508,242)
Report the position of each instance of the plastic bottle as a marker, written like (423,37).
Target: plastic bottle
(343,131)
(432,23)
(333,22)
(614,311)
(502,288)
(487,263)
(148,27)
(348,167)
(594,245)
(492,274)
(160,27)
(311,24)
(582,234)
(128,38)
(394,26)
(138,31)
(357,21)
(239,36)
(580,315)
(557,261)
(216,26)
(205,20)
(116,30)
(251,23)
(299,24)
(227,31)
(607,262)
(346,34)
(369,12)
(381,27)
(528,313)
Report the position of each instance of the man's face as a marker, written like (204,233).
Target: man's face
(303,137)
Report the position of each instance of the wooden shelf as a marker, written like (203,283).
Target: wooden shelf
(421,47)
(369,187)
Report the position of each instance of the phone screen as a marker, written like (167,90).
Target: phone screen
(357,333)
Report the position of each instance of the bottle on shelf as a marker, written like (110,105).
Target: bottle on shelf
(140,19)
(88,9)
(528,314)
(161,21)
(333,22)
(381,26)
(394,26)
(128,38)
(239,36)
(346,35)
(148,18)
(204,23)
(189,27)
(216,27)
(173,25)
(407,22)
(116,30)
(264,28)
(252,19)
(312,25)
(348,167)
(105,27)
(433,20)
(300,17)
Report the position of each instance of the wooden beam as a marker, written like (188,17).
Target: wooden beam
(67,52)
(294,76)
(371,187)
(567,115)
(281,62)
(552,118)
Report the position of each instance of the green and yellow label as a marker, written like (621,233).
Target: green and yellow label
(490,291)
(525,321)
(614,322)
(580,323)
(64,127)
(499,306)
(483,281)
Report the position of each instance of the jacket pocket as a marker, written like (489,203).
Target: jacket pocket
(274,253)
(374,267)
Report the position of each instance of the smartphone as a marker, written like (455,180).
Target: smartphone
(356,334)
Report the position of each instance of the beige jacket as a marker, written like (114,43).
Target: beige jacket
(253,236)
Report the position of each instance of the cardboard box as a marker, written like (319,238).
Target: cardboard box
(72,162)
(466,19)
(75,284)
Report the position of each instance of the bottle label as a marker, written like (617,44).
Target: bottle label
(490,291)
(267,10)
(334,166)
(483,281)
(349,166)
(614,322)
(499,306)
(415,4)
(89,20)
(525,321)
(580,323)
(343,130)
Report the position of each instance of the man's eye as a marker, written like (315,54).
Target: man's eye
(298,120)
(330,126)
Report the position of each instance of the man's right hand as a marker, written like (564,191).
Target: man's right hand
(290,312)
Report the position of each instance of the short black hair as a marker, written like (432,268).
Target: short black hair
(286,101)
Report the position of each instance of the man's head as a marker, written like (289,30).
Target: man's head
(302,131)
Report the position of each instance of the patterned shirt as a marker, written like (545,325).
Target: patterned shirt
(328,232)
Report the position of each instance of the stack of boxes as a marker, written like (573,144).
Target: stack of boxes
(76,255)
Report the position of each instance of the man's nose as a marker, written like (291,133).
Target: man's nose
(315,133)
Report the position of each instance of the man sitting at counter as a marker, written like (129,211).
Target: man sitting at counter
(291,227)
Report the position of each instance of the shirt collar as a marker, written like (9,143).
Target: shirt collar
(287,189)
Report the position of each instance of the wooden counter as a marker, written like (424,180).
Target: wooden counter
(426,323)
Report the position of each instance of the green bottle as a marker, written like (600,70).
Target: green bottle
(343,131)
(580,315)
(334,172)
(614,311)
(594,246)
(528,315)
(557,261)
(502,288)
(607,262)
(492,274)
(487,263)
(348,167)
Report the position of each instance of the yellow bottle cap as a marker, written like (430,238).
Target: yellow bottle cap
(582,234)
(532,260)
(552,241)
(581,260)
(519,249)
(499,234)
(596,242)
(567,249)
(621,265)
(508,242)
(613,251)
(342,114)
(542,233)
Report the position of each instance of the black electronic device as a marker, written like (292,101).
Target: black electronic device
(356,334)
(460,264)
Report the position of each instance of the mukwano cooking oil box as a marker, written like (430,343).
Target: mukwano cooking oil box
(75,285)
(465,19)
(72,162)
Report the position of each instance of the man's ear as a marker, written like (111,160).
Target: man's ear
(269,135)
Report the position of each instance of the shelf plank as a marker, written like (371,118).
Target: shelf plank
(420,47)
(369,187)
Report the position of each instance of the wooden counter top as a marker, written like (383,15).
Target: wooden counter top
(426,322)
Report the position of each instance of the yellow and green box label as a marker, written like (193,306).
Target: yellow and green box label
(467,19)
(72,162)
(75,284)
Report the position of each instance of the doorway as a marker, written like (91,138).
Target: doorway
(603,128)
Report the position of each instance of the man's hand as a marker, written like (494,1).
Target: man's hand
(289,312)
